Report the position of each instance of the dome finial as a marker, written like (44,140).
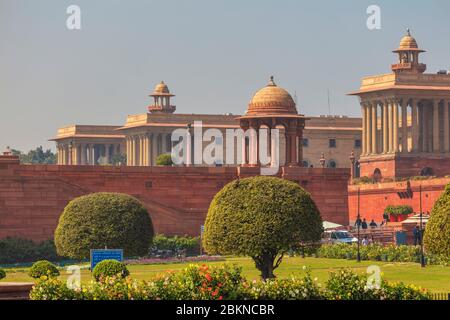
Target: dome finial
(408,32)
(271,82)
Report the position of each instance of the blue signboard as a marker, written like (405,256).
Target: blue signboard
(98,255)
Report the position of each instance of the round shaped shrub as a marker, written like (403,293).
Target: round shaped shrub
(43,268)
(102,220)
(110,268)
(261,217)
(164,159)
(2,274)
(437,230)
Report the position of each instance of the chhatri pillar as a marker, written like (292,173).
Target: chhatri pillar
(271,107)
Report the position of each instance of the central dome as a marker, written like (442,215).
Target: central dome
(271,100)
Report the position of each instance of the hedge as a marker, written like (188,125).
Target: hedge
(437,230)
(110,268)
(43,268)
(17,250)
(102,220)
(401,209)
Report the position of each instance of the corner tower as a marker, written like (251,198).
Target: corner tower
(405,119)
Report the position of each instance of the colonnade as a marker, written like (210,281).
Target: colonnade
(143,149)
(75,153)
(405,125)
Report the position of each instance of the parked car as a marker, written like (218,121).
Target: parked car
(338,236)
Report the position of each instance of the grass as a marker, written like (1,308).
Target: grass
(433,278)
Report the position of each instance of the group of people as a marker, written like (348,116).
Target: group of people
(363,224)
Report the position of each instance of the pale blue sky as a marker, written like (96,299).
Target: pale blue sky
(213,55)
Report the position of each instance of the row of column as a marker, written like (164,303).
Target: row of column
(143,149)
(86,153)
(293,148)
(428,130)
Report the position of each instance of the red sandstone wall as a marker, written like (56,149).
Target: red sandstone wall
(375,197)
(405,166)
(32,197)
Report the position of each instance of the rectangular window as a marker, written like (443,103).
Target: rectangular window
(332,143)
(358,143)
(305,142)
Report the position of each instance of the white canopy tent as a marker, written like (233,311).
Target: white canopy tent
(330,225)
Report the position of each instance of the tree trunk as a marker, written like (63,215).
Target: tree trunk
(264,263)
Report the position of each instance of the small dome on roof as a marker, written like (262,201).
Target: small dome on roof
(161,88)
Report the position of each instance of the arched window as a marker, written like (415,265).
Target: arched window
(377,176)
(426,172)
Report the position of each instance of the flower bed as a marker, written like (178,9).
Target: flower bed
(227,283)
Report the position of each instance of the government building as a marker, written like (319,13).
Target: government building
(327,140)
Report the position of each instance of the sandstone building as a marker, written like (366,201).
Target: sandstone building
(145,136)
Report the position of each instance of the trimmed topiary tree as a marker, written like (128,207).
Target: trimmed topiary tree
(164,159)
(43,268)
(102,220)
(110,268)
(261,217)
(437,230)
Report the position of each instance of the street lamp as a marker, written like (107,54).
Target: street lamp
(353,160)
(358,224)
(422,257)
(322,160)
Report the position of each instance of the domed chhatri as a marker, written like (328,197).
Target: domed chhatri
(161,89)
(161,96)
(271,100)
(408,53)
(409,43)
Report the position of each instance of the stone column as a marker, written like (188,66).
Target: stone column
(425,122)
(386,127)
(154,147)
(395,127)
(436,140)
(83,155)
(368,128)
(404,106)
(107,155)
(92,154)
(294,152)
(374,127)
(364,129)
(446,126)
(390,126)
(415,125)
(128,152)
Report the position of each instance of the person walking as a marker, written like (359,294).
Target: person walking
(364,224)
(373,224)
(417,236)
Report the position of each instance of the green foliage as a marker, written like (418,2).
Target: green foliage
(347,285)
(104,219)
(285,289)
(43,268)
(119,159)
(164,159)
(437,230)
(110,268)
(17,250)
(378,252)
(37,156)
(48,288)
(176,243)
(261,217)
(2,274)
(397,210)
(226,283)
(363,180)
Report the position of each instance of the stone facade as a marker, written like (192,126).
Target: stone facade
(32,197)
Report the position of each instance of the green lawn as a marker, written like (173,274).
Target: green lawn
(434,278)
